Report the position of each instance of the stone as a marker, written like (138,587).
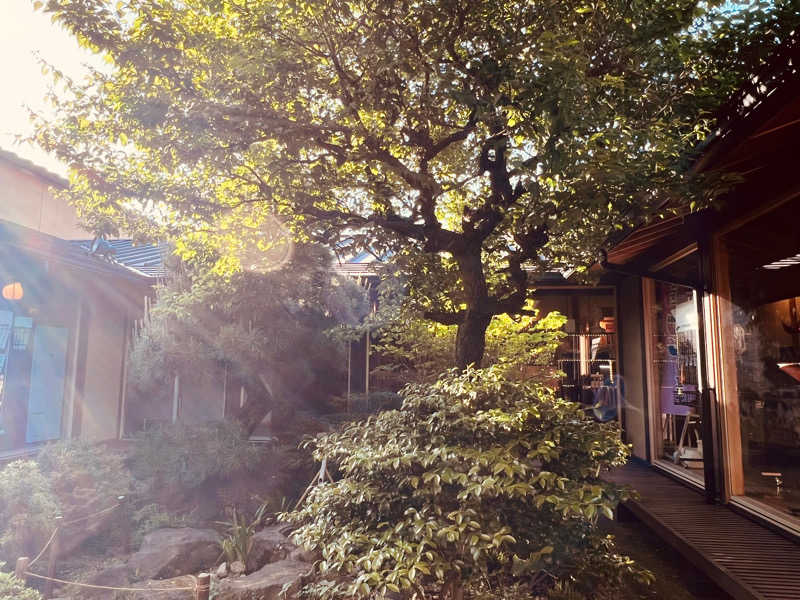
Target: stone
(222,571)
(184,581)
(301,554)
(269,545)
(237,567)
(172,552)
(266,583)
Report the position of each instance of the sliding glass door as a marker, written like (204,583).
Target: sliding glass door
(673,356)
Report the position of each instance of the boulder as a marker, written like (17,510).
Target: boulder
(161,588)
(269,545)
(222,571)
(266,583)
(172,552)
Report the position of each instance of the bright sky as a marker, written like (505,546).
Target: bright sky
(23,33)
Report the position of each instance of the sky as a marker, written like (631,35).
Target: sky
(24,33)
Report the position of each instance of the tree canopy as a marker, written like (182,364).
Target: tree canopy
(473,142)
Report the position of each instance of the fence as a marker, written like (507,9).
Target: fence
(22,570)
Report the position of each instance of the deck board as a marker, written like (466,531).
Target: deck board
(745,559)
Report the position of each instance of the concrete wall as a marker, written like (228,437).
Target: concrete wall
(632,365)
(26,199)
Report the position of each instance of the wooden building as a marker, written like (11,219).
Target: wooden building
(709,317)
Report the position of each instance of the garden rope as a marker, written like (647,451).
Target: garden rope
(46,546)
(194,588)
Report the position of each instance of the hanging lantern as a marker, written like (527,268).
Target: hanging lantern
(13,291)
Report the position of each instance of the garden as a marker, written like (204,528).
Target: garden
(468,150)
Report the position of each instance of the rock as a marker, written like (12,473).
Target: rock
(237,567)
(180,593)
(303,555)
(266,583)
(222,571)
(269,545)
(171,552)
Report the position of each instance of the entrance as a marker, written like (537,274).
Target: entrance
(673,351)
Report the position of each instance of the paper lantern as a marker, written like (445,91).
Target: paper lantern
(13,291)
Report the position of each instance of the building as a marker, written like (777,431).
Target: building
(65,317)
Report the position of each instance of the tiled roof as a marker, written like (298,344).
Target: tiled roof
(147,259)
(64,251)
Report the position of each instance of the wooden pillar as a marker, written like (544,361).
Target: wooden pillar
(176,395)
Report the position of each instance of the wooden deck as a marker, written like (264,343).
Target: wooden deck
(745,559)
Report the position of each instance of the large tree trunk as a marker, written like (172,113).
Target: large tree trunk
(471,339)
(471,336)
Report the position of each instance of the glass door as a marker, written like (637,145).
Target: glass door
(676,419)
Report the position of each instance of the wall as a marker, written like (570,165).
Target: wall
(25,199)
(103,376)
(632,365)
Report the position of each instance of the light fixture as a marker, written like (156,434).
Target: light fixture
(13,291)
(789,261)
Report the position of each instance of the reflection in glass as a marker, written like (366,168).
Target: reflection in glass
(674,353)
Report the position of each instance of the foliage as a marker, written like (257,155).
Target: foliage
(479,475)
(468,139)
(154,516)
(82,473)
(414,349)
(189,455)
(247,323)
(12,588)
(239,532)
(28,506)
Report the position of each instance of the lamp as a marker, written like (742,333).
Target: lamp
(13,291)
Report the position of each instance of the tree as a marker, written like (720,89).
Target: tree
(480,476)
(254,323)
(474,141)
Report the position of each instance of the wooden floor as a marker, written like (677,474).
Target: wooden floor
(743,558)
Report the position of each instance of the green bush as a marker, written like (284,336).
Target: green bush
(12,588)
(189,455)
(82,473)
(27,509)
(479,477)
(67,478)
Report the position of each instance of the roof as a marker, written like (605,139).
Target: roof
(146,259)
(64,252)
(34,169)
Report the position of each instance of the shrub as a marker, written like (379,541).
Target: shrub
(82,473)
(27,509)
(154,516)
(189,455)
(12,588)
(479,477)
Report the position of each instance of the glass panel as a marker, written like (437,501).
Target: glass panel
(764,272)
(674,351)
(587,356)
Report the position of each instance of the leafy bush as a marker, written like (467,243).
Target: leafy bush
(12,588)
(239,532)
(189,455)
(82,473)
(479,477)
(67,478)
(154,516)
(27,509)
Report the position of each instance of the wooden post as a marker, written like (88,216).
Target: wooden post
(52,558)
(203,586)
(21,567)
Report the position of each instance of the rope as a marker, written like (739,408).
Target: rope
(98,513)
(46,546)
(194,588)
